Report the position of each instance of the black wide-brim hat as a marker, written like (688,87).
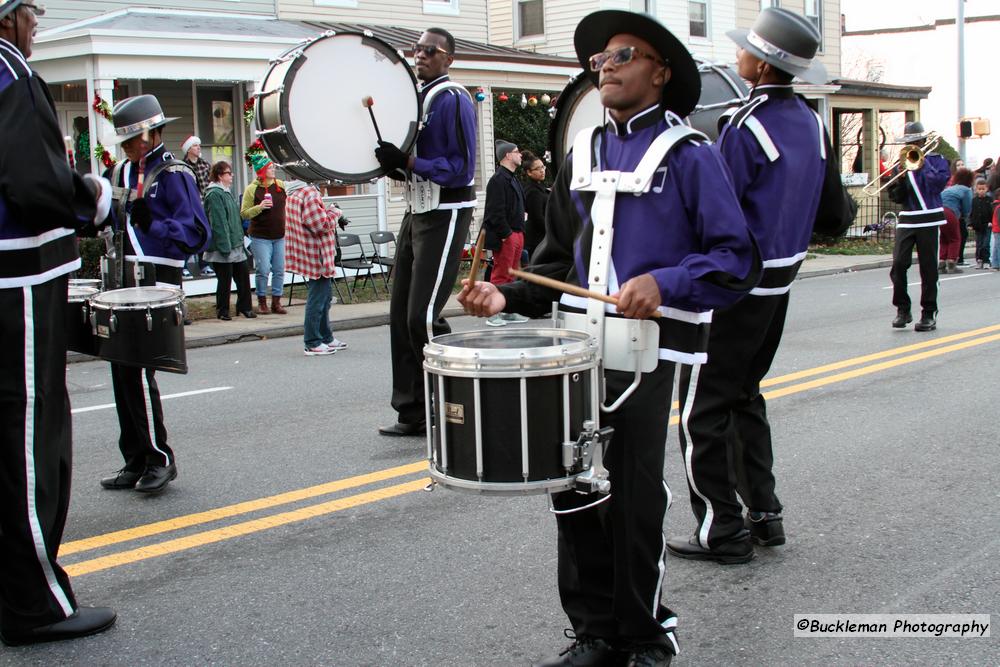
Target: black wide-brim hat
(681,92)
(785,40)
(135,115)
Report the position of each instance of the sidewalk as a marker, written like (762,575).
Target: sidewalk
(346,316)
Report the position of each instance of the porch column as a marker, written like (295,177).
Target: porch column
(101,131)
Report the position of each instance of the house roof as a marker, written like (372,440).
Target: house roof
(881,90)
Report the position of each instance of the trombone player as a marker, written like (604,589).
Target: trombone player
(920,178)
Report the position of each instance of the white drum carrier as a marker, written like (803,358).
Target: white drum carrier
(517,411)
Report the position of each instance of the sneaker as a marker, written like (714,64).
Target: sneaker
(319,350)
(185,273)
(208,271)
(496,321)
(513,317)
(336,344)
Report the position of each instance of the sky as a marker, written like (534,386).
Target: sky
(865,14)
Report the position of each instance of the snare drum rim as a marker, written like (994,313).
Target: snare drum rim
(82,295)
(502,488)
(284,117)
(577,355)
(175,298)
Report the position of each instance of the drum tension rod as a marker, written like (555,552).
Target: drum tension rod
(274,130)
(268,93)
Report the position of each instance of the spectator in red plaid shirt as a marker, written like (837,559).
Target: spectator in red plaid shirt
(310,248)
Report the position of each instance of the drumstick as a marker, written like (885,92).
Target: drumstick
(567,287)
(477,255)
(368,102)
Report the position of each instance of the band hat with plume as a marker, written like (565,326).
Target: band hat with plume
(503,148)
(135,115)
(786,40)
(681,92)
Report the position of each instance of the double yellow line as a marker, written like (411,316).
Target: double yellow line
(794,383)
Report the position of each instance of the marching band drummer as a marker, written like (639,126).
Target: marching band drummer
(681,248)
(162,223)
(777,150)
(41,201)
(441,197)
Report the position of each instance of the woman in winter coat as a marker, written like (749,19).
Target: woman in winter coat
(226,253)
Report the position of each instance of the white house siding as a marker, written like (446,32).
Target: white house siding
(58,12)
(929,57)
(469,23)
(175,100)
(747,11)
(717,47)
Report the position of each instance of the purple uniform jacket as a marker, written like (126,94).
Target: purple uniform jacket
(444,155)
(923,207)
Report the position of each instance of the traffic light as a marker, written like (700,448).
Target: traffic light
(971,128)
(965,129)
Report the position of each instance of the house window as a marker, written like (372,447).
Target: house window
(814,12)
(443,7)
(698,18)
(764,4)
(216,124)
(530,18)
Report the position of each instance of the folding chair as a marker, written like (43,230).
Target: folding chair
(387,263)
(357,264)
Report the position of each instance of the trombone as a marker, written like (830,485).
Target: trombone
(911,158)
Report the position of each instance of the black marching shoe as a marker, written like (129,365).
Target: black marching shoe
(156,478)
(649,656)
(586,651)
(765,528)
(926,323)
(84,621)
(123,479)
(224,317)
(403,429)
(737,550)
(249,314)
(903,317)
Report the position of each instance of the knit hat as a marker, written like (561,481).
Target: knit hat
(503,148)
(260,161)
(188,144)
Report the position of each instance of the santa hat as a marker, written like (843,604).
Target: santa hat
(188,143)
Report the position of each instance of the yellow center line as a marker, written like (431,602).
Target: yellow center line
(240,529)
(237,509)
(312,511)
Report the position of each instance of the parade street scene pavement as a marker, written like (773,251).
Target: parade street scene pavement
(295,534)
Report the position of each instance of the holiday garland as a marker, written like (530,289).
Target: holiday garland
(105,156)
(102,107)
(248,111)
(255,147)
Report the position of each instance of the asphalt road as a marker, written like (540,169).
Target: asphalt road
(886,463)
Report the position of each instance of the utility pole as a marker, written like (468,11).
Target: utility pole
(960,25)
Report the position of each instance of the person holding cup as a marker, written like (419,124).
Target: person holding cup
(264,205)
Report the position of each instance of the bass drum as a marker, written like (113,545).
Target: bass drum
(309,112)
(579,106)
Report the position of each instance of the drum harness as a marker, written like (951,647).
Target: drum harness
(423,195)
(633,344)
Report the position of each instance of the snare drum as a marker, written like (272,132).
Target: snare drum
(94,283)
(579,106)
(505,403)
(79,333)
(309,111)
(141,326)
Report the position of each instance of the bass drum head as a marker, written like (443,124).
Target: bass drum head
(327,126)
(579,106)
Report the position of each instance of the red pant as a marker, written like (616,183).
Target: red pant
(951,236)
(507,258)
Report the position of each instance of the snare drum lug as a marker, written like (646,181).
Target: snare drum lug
(113,322)
(149,319)
(178,315)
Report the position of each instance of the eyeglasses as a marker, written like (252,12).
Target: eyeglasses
(37,10)
(225,172)
(429,50)
(621,56)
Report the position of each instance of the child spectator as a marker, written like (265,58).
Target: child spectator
(979,221)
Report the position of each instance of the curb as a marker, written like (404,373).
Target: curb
(881,264)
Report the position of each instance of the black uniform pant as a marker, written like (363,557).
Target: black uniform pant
(926,241)
(143,438)
(611,563)
(427,256)
(725,436)
(35,455)
(225,273)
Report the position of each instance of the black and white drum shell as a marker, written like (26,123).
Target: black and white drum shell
(505,402)
(94,283)
(309,112)
(141,327)
(579,106)
(79,333)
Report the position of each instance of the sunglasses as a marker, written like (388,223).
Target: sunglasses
(429,50)
(621,56)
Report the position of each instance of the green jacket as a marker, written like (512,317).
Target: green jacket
(224,216)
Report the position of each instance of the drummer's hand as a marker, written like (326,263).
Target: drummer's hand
(483,300)
(390,156)
(639,297)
